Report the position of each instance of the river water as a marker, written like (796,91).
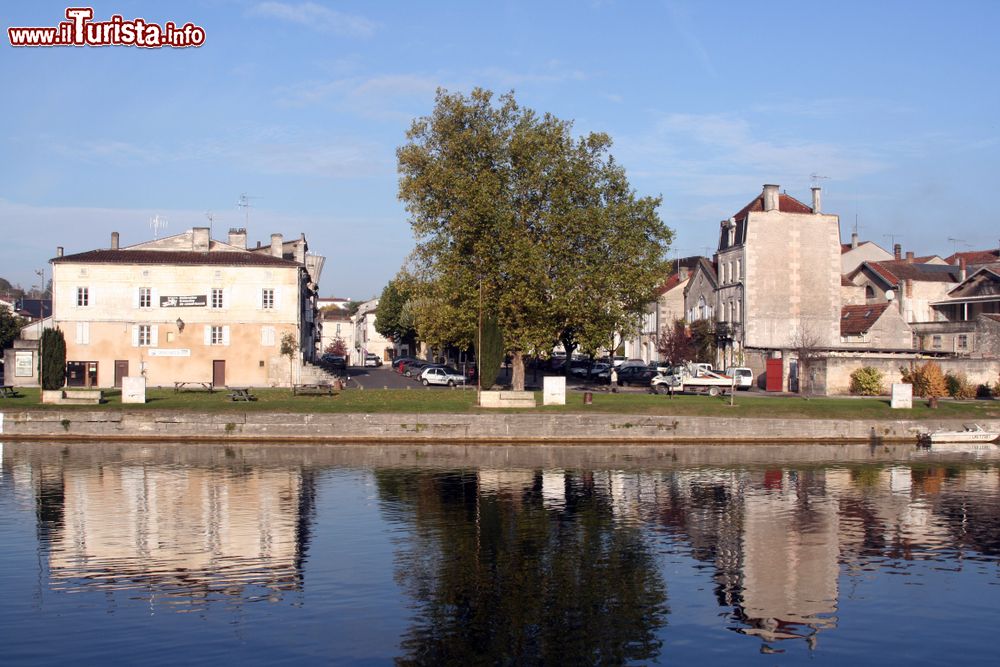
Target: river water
(451,555)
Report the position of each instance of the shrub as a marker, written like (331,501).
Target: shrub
(53,359)
(927,380)
(984,391)
(958,386)
(866,381)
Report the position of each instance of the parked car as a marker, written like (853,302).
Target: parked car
(372,360)
(631,363)
(334,360)
(399,363)
(600,373)
(635,375)
(579,368)
(443,375)
(413,368)
(744,377)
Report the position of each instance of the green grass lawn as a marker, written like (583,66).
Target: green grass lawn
(464,401)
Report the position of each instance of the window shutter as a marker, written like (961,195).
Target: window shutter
(153,338)
(277,298)
(267,336)
(208,334)
(154,297)
(225,335)
(260,299)
(225,297)
(135,297)
(135,335)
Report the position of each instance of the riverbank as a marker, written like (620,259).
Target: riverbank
(498,427)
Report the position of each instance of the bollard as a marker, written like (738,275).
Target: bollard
(588,398)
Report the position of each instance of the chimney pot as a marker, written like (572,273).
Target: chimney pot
(770,197)
(897,251)
(962,269)
(909,256)
(238,237)
(59,251)
(114,240)
(817,200)
(854,239)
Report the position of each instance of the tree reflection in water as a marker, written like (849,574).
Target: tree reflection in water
(510,577)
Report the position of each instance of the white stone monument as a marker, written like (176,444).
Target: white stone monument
(134,389)
(553,390)
(902,395)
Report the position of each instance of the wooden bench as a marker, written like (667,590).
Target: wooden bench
(312,390)
(240,394)
(194,384)
(7,391)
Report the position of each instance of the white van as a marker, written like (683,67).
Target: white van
(744,377)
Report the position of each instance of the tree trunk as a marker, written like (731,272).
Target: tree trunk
(517,362)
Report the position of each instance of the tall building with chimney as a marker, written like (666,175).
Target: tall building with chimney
(187,308)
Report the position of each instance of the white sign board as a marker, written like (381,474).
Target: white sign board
(134,389)
(902,395)
(23,366)
(554,390)
(169,352)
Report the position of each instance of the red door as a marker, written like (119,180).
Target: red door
(774,370)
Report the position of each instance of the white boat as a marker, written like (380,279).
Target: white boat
(970,434)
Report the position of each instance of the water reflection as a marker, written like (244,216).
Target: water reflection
(526,555)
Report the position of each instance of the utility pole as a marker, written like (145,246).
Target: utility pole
(41,332)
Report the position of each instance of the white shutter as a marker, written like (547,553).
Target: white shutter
(267,336)
(260,299)
(135,297)
(154,297)
(153,338)
(225,335)
(135,335)
(208,334)
(82,333)
(225,297)
(277,298)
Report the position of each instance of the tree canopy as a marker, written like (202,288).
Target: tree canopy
(548,224)
(393,317)
(10,326)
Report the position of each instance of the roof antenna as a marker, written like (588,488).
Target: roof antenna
(156,223)
(955,243)
(244,203)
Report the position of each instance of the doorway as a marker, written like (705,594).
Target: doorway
(121,371)
(219,372)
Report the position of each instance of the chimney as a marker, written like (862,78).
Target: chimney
(238,237)
(962,269)
(682,272)
(770,197)
(276,249)
(909,257)
(909,288)
(854,239)
(200,239)
(817,200)
(59,251)
(114,240)
(897,251)
(300,249)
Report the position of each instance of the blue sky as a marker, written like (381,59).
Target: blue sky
(302,105)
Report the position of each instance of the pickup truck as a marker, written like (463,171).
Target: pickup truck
(691,378)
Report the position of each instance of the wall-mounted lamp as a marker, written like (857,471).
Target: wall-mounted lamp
(180,324)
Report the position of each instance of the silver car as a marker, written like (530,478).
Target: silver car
(443,375)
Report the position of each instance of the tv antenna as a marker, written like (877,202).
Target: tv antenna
(244,203)
(955,243)
(892,238)
(816,178)
(156,223)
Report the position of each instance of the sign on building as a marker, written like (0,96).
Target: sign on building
(187,301)
(23,366)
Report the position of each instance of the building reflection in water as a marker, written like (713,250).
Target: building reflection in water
(187,534)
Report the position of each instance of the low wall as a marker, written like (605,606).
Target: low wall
(839,369)
(447,428)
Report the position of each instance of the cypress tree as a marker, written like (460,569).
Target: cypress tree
(53,361)
(491,356)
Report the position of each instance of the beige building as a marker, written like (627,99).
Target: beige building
(366,339)
(187,308)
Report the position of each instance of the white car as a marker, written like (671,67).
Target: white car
(744,377)
(372,360)
(444,375)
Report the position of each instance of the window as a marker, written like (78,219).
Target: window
(217,337)
(963,342)
(83,333)
(145,335)
(217,297)
(267,297)
(869,292)
(267,336)
(936,342)
(82,296)
(145,297)
(739,269)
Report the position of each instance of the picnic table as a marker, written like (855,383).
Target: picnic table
(8,391)
(312,390)
(241,394)
(208,386)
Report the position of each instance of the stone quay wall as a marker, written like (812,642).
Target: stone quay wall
(140,425)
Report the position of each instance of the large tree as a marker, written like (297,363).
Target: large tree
(393,317)
(10,326)
(506,203)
